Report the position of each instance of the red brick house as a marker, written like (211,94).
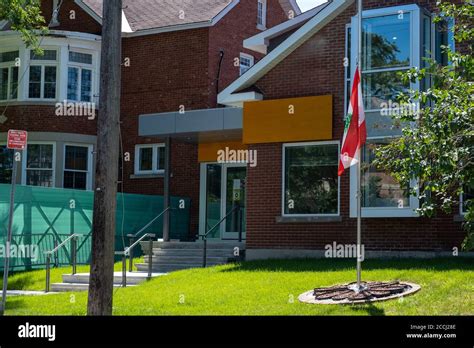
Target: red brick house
(294,101)
(258,152)
(177,55)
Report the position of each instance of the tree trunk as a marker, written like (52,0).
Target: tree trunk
(107,159)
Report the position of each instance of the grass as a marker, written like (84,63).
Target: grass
(269,287)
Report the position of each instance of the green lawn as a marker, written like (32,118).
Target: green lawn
(269,288)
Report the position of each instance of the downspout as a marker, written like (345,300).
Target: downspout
(219,70)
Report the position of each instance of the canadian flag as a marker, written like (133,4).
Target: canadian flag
(355,131)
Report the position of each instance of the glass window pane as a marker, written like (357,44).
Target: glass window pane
(78,57)
(9,56)
(378,188)
(39,178)
(76,158)
(4,83)
(35,82)
(39,156)
(382,87)
(50,82)
(311,180)
(161,158)
(48,55)
(86,85)
(213,198)
(146,159)
(72,83)
(386,42)
(6,165)
(75,180)
(14,83)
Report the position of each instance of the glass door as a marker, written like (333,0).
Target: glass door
(233,202)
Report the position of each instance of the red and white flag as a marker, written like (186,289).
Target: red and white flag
(355,132)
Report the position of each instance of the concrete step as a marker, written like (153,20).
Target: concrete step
(132,277)
(186,258)
(170,267)
(187,253)
(65,287)
(194,245)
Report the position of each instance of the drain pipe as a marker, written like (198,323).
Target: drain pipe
(221,53)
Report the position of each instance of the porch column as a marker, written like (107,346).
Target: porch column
(166,190)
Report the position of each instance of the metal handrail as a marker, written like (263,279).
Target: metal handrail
(127,252)
(204,236)
(73,238)
(133,236)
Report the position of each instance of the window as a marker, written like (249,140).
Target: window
(149,159)
(76,167)
(444,36)
(262,14)
(6,164)
(394,40)
(9,75)
(385,53)
(311,183)
(79,85)
(380,190)
(39,167)
(246,62)
(347,70)
(43,75)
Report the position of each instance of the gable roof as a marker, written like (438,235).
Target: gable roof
(143,15)
(236,93)
(260,42)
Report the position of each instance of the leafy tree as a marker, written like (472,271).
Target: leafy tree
(25,17)
(437,143)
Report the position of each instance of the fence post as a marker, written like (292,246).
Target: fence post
(56,257)
(204,254)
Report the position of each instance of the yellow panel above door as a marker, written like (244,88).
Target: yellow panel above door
(288,120)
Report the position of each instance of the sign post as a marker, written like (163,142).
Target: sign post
(16,141)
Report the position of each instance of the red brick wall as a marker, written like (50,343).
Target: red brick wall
(229,34)
(82,21)
(316,68)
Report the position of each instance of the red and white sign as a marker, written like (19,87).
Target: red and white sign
(17,139)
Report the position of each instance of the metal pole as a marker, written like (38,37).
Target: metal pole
(48,271)
(6,266)
(124,270)
(204,254)
(130,260)
(150,256)
(74,254)
(359,174)
(240,224)
(166,191)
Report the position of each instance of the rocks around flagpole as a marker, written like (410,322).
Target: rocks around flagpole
(371,292)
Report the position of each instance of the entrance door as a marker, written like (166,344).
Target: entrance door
(222,194)
(233,195)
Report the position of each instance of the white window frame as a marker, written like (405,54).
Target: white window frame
(263,24)
(283,172)
(25,156)
(90,148)
(415,60)
(43,64)
(155,169)
(251,60)
(80,67)
(11,65)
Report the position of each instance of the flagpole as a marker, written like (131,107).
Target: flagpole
(359,173)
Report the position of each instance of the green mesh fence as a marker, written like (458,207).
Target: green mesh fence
(45,217)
